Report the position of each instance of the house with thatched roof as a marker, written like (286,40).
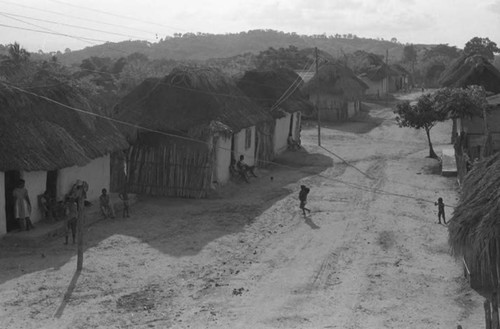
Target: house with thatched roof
(481,133)
(474,229)
(51,146)
(278,93)
(196,121)
(400,79)
(335,91)
(472,70)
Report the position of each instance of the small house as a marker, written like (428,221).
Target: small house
(472,70)
(47,140)
(278,93)
(335,91)
(474,229)
(191,125)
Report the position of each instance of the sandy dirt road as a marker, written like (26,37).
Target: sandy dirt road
(247,258)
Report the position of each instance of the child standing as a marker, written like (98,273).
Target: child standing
(440,205)
(124,197)
(304,191)
(72,219)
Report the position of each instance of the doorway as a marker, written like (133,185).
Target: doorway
(12,178)
(51,184)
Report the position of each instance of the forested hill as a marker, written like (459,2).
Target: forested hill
(200,46)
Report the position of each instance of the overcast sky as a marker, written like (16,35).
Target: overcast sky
(414,21)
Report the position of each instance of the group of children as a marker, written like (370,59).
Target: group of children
(107,209)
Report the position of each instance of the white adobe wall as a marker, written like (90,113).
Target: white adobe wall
(239,146)
(223,160)
(96,174)
(35,183)
(3,219)
(281,131)
(351,109)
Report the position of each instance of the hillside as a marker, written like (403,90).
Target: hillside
(201,47)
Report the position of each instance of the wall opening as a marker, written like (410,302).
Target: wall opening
(11,180)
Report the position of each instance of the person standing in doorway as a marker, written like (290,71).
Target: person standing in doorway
(22,206)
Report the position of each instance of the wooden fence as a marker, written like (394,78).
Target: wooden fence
(170,168)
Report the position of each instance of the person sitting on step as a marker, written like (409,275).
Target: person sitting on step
(244,168)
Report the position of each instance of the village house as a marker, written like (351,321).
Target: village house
(476,136)
(473,231)
(335,91)
(278,93)
(51,146)
(197,123)
(472,70)
(400,79)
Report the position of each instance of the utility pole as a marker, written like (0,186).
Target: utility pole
(318,108)
(387,77)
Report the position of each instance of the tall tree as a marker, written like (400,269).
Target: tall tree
(410,56)
(422,115)
(481,46)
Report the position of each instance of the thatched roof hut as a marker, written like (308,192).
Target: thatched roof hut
(39,135)
(474,229)
(336,79)
(472,70)
(188,100)
(268,87)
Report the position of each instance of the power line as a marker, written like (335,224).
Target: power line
(76,17)
(119,16)
(47,32)
(75,26)
(352,185)
(50,31)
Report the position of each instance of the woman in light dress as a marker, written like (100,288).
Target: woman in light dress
(22,206)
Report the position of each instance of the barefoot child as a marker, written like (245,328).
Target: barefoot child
(440,205)
(304,191)
(124,197)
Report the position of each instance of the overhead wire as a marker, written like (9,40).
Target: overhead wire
(75,26)
(119,16)
(75,17)
(353,185)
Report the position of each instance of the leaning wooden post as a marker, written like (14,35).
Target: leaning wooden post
(487,314)
(80,226)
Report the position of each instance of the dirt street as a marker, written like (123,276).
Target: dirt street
(247,258)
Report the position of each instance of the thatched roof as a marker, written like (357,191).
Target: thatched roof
(267,87)
(37,134)
(399,69)
(493,100)
(190,98)
(336,79)
(475,225)
(472,70)
(377,73)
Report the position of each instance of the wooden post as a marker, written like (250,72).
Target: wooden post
(319,109)
(494,312)
(487,314)
(79,229)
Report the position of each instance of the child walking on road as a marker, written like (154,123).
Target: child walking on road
(304,191)
(440,205)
